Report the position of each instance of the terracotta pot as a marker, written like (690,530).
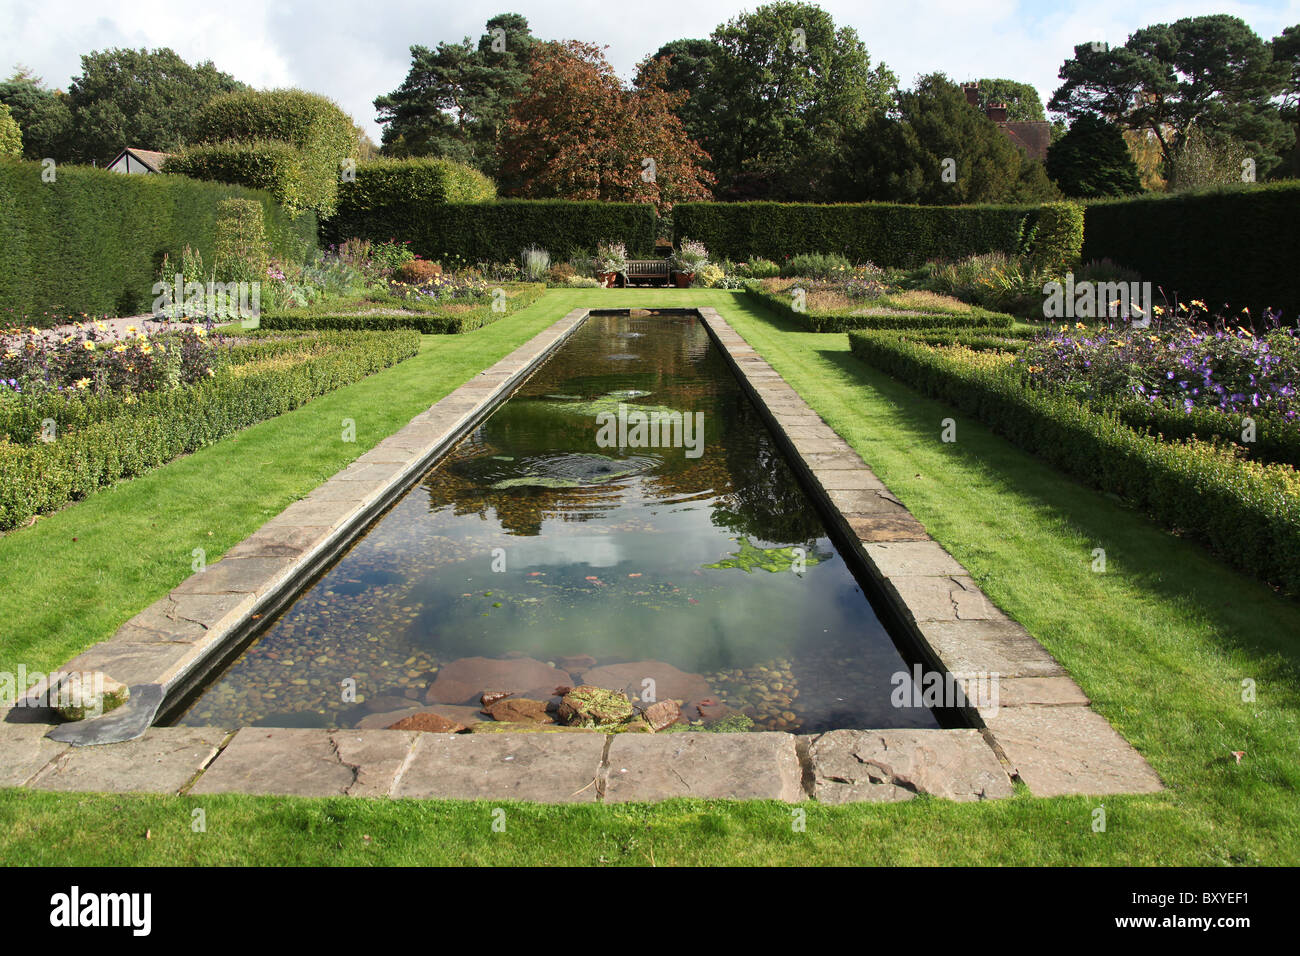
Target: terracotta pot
(608,279)
(683,279)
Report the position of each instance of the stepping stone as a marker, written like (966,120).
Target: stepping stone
(753,766)
(26,751)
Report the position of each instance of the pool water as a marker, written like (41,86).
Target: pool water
(697,562)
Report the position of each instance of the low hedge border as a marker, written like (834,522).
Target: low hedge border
(122,440)
(520,297)
(845,322)
(1246,512)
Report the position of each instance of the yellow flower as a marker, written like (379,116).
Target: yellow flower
(1158,309)
(35,330)
(120,348)
(83,382)
(1198,303)
(130,328)
(1079,325)
(88,346)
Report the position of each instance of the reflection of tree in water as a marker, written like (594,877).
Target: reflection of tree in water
(765,501)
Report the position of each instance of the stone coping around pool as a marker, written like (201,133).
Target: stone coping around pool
(1042,731)
(1041,725)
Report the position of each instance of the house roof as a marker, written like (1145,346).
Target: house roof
(151,158)
(1032,137)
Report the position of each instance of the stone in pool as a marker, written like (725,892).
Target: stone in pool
(670,683)
(466,680)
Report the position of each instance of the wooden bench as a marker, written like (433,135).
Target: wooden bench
(647,271)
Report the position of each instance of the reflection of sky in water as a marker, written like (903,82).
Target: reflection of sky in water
(611,567)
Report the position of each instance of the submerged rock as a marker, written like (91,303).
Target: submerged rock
(466,680)
(662,714)
(669,683)
(428,722)
(520,709)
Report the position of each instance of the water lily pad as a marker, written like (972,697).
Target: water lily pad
(768,559)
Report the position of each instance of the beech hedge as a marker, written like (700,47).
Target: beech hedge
(1247,513)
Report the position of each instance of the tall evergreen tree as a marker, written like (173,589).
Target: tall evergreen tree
(1092,160)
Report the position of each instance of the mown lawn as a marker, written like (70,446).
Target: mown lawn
(1161,641)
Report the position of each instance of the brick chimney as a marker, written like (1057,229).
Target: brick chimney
(972,93)
(997,112)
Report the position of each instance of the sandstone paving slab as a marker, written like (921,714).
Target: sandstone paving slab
(25,751)
(1070,750)
(753,766)
(895,527)
(1034,691)
(912,557)
(942,598)
(308,762)
(284,541)
(162,761)
(368,471)
(833,461)
(544,768)
(147,663)
(968,648)
(881,766)
(353,490)
(866,501)
(843,479)
(311,513)
(236,575)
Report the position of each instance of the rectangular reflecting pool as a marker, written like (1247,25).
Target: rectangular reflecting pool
(564,543)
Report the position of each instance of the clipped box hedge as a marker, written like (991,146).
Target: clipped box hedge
(883,233)
(445,322)
(103,439)
(1239,246)
(92,241)
(495,231)
(976,318)
(1247,513)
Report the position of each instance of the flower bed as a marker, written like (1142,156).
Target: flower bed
(1247,512)
(426,314)
(862,300)
(60,445)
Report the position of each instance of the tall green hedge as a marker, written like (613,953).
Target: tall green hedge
(494,231)
(236,136)
(883,233)
(92,241)
(1238,246)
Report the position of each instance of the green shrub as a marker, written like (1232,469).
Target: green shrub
(246,124)
(11,137)
(444,320)
(1058,243)
(496,231)
(1235,245)
(117,436)
(1246,512)
(93,241)
(816,265)
(273,166)
(240,253)
(883,233)
(386,183)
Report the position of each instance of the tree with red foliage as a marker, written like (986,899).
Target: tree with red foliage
(576,133)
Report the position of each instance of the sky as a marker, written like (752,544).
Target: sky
(353,51)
